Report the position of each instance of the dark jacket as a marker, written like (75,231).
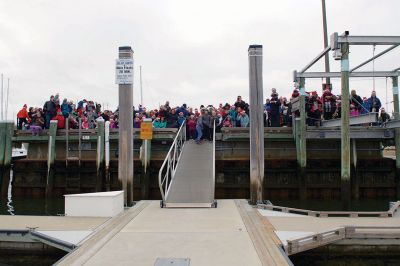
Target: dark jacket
(49,108)
(172,121)
(374,102)
(357,101)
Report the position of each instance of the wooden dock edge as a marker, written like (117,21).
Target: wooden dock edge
(101,236)
(263,237)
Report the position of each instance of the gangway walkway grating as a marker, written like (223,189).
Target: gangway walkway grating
(187,176)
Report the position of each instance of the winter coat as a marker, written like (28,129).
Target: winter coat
(374,102)
(60,121)
(181,119)
(23,113)
(66,109)
(244,120)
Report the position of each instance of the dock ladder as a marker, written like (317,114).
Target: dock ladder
(73,163)
(187,175)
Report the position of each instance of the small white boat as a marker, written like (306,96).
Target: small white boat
(19,153)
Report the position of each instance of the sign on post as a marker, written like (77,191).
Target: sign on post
(124,71)
(146,129)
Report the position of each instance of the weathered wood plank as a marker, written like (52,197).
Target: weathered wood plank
(263,239)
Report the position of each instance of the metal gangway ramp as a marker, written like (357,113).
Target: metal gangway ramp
(187,175)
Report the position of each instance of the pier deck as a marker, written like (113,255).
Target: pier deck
(218,236)
(235,233)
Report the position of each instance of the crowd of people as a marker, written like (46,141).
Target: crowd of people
(199,121)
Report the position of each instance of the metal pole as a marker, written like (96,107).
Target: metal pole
(345,137)
(141,89)
(125,159)
(256,124)
(8,92)
(328,80)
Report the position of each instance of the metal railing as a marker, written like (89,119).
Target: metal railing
(346,232)
(167,170)
(325,214)
(213,169)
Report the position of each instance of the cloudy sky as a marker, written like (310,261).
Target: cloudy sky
(191,51)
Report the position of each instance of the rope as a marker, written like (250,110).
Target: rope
(386,95)
(373,66)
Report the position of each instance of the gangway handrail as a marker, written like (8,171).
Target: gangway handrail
(171,161)
(315,240)
(213,167)
(325,214)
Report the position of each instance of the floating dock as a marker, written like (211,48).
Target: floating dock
(235,233)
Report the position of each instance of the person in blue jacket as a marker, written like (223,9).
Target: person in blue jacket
(374,103)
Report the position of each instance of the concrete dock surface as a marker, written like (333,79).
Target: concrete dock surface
(234,233)
(226,235)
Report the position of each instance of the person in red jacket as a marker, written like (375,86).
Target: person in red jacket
(61,120)
(191,127)
(22,117)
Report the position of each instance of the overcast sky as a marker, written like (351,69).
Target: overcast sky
(192,52)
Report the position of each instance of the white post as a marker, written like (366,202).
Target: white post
(141,89)
(8,92)
(2,118)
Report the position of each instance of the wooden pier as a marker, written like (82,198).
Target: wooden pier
(79,163)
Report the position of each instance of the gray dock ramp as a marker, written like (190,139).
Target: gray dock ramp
(193,181)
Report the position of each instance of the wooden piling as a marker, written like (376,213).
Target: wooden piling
(302,160)
(145,177)
(107,154)
(100,156)
(9,133)
(125,146)
(301,142)
(3,130)
(51,155)
(345,137)
(256,124)
(355,187)
(395,84)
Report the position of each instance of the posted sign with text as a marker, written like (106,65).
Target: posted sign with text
(124,71)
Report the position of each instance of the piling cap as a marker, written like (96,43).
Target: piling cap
(125,48)
(253,46)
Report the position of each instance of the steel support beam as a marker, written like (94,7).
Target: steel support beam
(374,57)
(376,133)
(315,60)
(392,124)
(366,74)
(327,69)
(356,120)
(364,40)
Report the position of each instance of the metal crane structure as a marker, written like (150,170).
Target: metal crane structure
(339,45)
